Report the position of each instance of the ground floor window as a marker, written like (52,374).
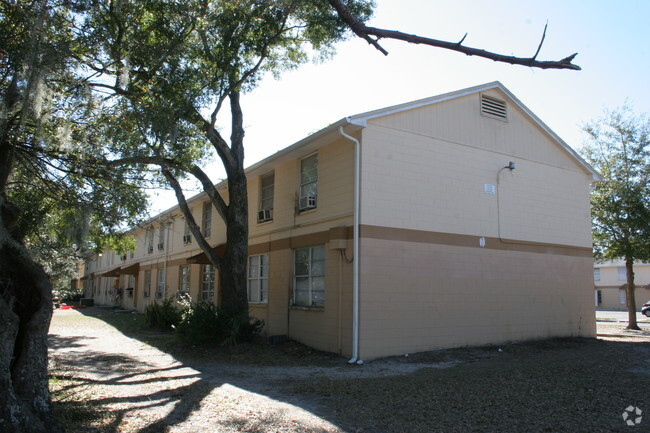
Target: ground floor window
(309,271)
(162,276)
(147,284)
(258,278)
(621,296)
(207,283)
(184,279)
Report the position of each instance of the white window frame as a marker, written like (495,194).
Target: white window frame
(184,278)
(306,183)
(622,273)
(257,271)
(207,283)
(596,274)
(206,223)
(310,277)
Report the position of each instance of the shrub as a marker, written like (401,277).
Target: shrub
(163,316)
(205,323)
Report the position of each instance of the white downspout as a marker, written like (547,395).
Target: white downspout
(355,264)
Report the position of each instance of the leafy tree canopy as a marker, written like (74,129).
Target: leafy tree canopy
(618,147)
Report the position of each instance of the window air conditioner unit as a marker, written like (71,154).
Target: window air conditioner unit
(161,246)
(265,215)
(308,202)
(150,249)
(187,239)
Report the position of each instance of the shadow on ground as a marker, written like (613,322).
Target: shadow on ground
(564,385)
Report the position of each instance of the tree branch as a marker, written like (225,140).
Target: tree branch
(366,32)
(189,218)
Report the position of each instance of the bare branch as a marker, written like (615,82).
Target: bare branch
(541,42)
(366,32)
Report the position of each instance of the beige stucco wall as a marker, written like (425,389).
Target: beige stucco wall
(426,283)
(426,170)
(423,296)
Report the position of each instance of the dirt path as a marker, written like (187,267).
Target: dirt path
(149,390)
(146,390)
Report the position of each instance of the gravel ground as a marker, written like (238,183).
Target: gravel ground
(104,381)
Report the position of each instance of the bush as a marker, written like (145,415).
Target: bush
(205,323)
(162,316)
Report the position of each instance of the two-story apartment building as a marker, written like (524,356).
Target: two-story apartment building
(610,283)
(455,220)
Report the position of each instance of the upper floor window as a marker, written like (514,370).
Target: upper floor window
(309,284)
(258,278)
(622,274)
(161,237)
(184,278)
(308,182)
(207,219)
(266,197)
(187,236)
(148,239)
(597,274)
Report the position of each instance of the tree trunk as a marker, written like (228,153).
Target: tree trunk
(25,314)
(232,273)
(630,297)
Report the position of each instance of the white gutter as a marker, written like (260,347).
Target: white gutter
(355,264)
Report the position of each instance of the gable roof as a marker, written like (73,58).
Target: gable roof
(362,119)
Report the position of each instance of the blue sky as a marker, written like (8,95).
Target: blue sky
(612,40)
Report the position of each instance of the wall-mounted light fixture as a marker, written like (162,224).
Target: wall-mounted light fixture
(510,166)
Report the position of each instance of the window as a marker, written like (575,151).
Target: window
(599,298)
(207,283)
(622,274)
(147,284)
(597,274)
(308,182)
(258,279)
(161,237)
(161,283)
(207,219)
(621,296)
(148,239)
(184,278)
(309,285)
(187,236)
(266,197)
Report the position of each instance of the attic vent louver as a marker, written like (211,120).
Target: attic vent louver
(493,107)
